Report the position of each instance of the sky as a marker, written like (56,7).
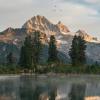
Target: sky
(75,14)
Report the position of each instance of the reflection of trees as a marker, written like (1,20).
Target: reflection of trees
(38,91)
(8,89)
(26,91)
(77,92)
(45,92)
(53,93)
(29,91)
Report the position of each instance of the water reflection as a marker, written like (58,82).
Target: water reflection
(77,92)
(9,89)
(31,88)
(39,91)
(45,93)
(25,89)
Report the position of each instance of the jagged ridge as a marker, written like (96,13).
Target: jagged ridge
(62,33)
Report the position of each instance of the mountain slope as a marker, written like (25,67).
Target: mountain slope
(15,38)
(45,26)
(86,36)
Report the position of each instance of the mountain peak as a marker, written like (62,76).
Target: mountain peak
(35,22)
(80,31)
(86,36)
(59,22)
(63,28)
(44,25)
(9,30)
(39,16)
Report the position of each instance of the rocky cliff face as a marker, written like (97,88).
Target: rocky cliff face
(13,38)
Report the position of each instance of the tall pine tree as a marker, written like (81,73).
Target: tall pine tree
(25,60)
(10,59)
(36,46)
(77,51)
(52,52)
(30,51)
(82,48)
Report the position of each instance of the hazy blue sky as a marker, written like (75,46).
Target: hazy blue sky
(76,14)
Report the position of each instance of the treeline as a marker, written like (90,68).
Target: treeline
(30,56)
(30,53)
(31,50)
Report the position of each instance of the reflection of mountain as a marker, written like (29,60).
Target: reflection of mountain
(93,98)
(12,39)
(36,91)
(29,87)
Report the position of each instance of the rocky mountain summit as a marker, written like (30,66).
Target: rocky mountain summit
(44,25)
(12,39)
(86,36)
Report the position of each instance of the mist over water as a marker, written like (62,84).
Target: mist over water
(29,87)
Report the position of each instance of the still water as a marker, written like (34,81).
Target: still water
(30,87)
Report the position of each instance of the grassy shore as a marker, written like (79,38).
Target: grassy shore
(54,69)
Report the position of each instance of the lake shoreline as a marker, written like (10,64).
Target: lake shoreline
(50,75)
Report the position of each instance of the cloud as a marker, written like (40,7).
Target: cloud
(78,9)
(92,1)
(13,3)
(78,16)
(74,13)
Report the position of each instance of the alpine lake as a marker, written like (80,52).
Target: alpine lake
(46,87)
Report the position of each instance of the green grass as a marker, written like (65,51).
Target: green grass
(55,68)
(86,69)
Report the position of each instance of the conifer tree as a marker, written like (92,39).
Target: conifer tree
(26,54)
(52,52)
(10,59)
(82,48)
(77,51)
(36,47)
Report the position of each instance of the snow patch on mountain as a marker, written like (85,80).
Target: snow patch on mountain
(62,33)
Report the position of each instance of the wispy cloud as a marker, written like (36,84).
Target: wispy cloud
(92,1)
